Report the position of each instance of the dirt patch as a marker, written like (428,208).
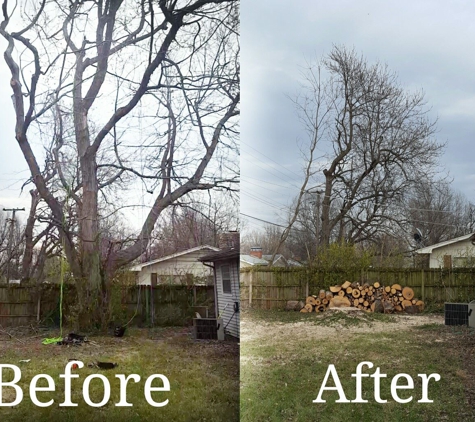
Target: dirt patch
(273,332)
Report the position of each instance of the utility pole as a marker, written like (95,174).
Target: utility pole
(10,240)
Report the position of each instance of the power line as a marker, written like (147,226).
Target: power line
(255,198)
(279,164)
(273,174)
(263,181)
(270,222)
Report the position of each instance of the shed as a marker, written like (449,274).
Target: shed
(225,266)
(179,268)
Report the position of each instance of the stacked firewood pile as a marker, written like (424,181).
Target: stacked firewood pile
(368,297)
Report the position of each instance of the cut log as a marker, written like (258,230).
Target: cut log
(349,290)
(309,307)
(365,303)
(420,305)
(304,310)
(387,289)
(388,307)
(294,305)
(345,285)
(328,295)
(398,308)
(396,287)
(377,306)
(320,308)
(310,300)
(413,309)
(405,303)
(376,285)
(335,289)
(322,294)
(407,293)
(339,302)
(318,302)
(341,293)
(325,301)
(355,292)
(393,291)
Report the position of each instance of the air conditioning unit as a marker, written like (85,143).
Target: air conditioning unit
(471,314)
(457,313)
(208,328)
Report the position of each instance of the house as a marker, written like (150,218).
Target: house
(453,253)
(251,261)
(225,265)
(256,258)
(179,268)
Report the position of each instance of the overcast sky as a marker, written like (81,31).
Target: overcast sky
(429,44)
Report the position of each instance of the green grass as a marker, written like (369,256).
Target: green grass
(204,377)
(279,381)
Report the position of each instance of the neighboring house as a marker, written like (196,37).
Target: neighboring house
(294,263)
(225,265)
(251,261)
(257,258)
(453,253)
(179,268)
(281,261)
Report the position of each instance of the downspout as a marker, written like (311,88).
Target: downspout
(216,307)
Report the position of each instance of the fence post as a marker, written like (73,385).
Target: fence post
(250,288)
(422,287)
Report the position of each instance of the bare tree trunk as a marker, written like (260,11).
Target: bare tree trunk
(30,224)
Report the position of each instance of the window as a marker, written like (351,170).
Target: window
(464,262)
(226,279)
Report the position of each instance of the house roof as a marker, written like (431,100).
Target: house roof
(253,260)
(175,255)
(277,258)
(429,249)
(294,263)
(220,255)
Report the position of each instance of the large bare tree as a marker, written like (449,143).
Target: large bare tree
(378,140)
(123,91)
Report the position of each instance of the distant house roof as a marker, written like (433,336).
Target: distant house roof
(253,260)
(220,255)
(287,262)
(175,255)
(294,263)
(429,249)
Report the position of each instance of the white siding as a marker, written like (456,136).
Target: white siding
(175,270)
(230,317)
(456,250)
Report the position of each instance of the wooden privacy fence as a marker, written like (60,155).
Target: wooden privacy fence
(272,288)
(160,305)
